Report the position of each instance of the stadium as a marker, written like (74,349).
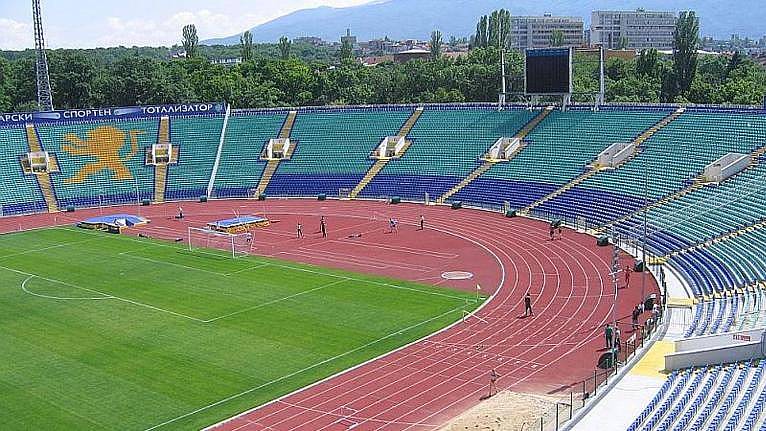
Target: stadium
(385,267)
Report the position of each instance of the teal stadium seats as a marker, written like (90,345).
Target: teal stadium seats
(240,166)
(446,146)
(559,149)
(101,163)
(19,193)
(333,149)
(196,139)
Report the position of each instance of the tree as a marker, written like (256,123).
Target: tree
(346,52)
(557,38)
(285,45)
(481,38)
(499,29)
(190,41)
(647,62)
(5,86)
(246,40)
(735,61)
(623,43)
(436,44)
(72,76)
(685,44)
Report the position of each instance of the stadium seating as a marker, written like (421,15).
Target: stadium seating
(196,139)
(20,193)
(240,166)
(675,155)
(108,147)
(723,397)
(333,150)
(559,150)
(447,145)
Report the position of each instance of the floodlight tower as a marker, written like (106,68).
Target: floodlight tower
(44,93)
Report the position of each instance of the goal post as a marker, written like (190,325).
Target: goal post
(239,244)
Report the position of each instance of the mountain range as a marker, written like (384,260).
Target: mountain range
(415,19)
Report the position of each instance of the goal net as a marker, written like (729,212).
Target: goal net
(239,244)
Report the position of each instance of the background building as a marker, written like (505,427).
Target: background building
(633,29)
(536,31)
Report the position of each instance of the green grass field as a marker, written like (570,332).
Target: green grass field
(102,331)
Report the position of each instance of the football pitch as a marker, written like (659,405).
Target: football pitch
(101,331)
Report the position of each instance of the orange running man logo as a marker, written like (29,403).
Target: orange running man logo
(104,144)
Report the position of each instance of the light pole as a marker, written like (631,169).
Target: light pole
(646,221)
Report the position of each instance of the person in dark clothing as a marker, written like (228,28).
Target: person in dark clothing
(527,305)
(323,227)
(635,315)
(608,335)
(493,382)
(299,230)
(422,222)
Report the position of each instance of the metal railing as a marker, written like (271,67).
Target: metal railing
(577,395)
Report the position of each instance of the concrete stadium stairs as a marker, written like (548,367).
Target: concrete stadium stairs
(381,163)
(43,178)
(272,165)
(161,171)
(487,165)
(639,141)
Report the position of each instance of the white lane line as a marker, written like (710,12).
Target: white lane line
(303,370)
(129,301)
(59,298)
(275,301)
(36,250)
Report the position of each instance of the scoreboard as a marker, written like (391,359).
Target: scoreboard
(548,71)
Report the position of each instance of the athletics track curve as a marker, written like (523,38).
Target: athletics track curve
(425,384)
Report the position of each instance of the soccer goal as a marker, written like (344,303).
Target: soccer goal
(240,244)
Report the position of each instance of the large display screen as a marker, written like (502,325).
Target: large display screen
(548,71)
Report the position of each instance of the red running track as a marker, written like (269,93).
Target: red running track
(425,384)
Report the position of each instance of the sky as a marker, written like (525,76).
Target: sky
(105,23)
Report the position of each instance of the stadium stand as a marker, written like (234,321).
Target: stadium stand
(19,193)
(333,150)
(711,235)
(723,397)
(447,145)
(101,163)
(197,141)
(559,150)
(241,167)
(671,160)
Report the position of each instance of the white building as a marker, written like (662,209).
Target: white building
(536,31)
(638,29)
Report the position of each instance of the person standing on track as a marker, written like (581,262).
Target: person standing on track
(628,270)
(323,227)
(493,382)
(635,315)
(608,335)
(422,222)
(528,305)
(299,231)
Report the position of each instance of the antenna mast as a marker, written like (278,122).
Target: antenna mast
(44,93)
